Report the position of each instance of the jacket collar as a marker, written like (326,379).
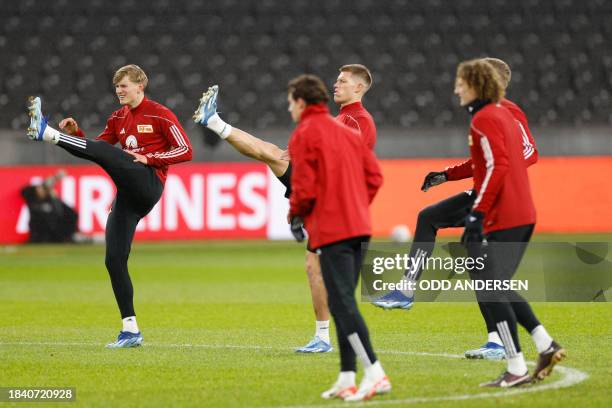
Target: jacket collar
(351,107)
(476,105)
(314,109)
(139,107)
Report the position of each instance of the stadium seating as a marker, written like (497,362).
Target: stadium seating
(67,51)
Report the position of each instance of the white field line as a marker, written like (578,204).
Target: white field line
(569,376)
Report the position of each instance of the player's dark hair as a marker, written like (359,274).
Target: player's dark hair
(359,70)
(483,78)
(503,69)
(308,87)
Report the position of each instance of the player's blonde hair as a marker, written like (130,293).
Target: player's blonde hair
(502,68)
(134,74)
(360,71)
(482,78)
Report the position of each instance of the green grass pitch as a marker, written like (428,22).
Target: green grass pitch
(221,320)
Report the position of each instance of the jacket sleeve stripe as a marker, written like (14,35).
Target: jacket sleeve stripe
(490,164)
(178,136)
(179,151)
(528,149)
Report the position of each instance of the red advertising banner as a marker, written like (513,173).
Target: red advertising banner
(228,200)
(570,194)
(244,200)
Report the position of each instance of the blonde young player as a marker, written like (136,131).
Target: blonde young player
(151,139)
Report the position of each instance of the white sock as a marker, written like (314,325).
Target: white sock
(218,125)
(130,325)
(346,379)
(322,330)
(51,135)
(375,371)
(516,364)
(493,337)
(541,338)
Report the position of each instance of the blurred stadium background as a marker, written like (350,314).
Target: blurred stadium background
(559,51)
(221,319)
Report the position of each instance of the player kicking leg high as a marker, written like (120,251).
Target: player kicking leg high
(152,139)
(352,84)
(270,154)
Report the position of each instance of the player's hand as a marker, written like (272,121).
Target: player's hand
(472,234)
(434,178)
(297,228)
(285,155)
(69,126)
(138,158)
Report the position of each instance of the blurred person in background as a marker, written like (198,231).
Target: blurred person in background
(51,220)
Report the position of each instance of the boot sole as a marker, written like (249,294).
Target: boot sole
(557,357)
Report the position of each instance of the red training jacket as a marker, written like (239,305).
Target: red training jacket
(500,174)
(530,152)
(335,178)
(149,129)
(357,117)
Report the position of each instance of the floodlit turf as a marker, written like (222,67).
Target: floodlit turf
(221,320)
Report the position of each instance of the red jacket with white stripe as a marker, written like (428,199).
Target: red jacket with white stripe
(334,179)
(530,152)
(499,169)
(354,115)
(149,129)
